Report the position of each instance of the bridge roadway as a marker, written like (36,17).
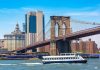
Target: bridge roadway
(71,36)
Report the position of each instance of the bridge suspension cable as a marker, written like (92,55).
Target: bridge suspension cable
(47,24)
(46,31)
(84,22)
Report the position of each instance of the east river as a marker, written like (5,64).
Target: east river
(92,64)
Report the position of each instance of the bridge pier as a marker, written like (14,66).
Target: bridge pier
(53,48)
(63,46)
(68,46)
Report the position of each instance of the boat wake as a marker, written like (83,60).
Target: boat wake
(32,64)
(6,64)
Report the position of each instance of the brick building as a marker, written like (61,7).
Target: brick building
(91,47)
(85,47)
(75,46)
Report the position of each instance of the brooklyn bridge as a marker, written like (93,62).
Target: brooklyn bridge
(62,42)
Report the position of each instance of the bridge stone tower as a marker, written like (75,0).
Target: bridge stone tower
(60,21)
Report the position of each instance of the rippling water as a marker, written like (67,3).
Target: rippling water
(92,64)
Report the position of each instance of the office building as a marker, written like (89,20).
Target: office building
(14,40)
(34,22)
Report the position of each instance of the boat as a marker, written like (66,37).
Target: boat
(64,58)
(23,56)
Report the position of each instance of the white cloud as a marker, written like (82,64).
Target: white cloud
(93,14)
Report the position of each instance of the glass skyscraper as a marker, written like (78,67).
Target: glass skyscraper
(30,20)
(34,27)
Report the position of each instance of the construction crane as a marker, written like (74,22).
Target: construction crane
(84,22)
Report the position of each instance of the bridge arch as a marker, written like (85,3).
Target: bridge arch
(57,29)
(64,29)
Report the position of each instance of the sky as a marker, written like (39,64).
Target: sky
(13,11)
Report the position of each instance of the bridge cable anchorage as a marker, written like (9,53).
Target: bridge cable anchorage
(84,22)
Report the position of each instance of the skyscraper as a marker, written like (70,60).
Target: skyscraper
(34,22)
(30,20)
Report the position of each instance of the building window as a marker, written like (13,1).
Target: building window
(18,37)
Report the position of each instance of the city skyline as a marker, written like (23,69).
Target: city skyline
(13,11)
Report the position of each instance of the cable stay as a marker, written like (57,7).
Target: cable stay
(84,22)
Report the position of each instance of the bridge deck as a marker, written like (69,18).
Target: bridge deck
(71,36)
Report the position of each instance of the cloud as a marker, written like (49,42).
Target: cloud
(93,14)
(85,11)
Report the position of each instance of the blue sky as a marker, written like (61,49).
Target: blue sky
(48,3)
(12,11)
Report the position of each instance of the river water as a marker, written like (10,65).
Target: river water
(92,64)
